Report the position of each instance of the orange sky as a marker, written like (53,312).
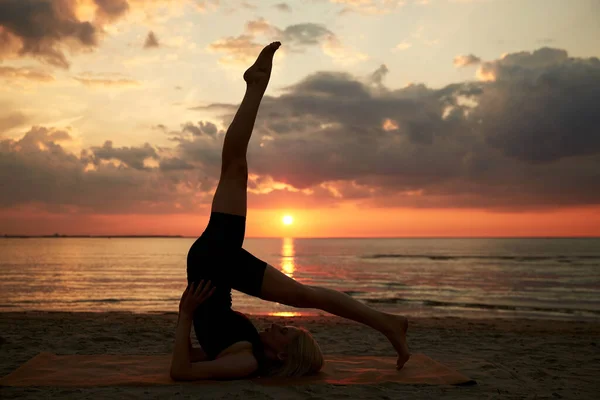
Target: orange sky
(343,222)
(473,119)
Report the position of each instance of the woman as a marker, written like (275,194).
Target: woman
(231,346)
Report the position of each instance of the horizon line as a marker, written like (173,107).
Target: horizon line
(83,236)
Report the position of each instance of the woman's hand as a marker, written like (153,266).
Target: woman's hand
(193,296)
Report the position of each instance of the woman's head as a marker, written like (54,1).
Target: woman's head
(290,351)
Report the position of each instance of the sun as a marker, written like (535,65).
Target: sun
(287,220)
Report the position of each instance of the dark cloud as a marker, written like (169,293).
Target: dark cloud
(151,41)
(174,164)
(525,138)
(517,140)
(111,9)
(133,157)
(38,170)
(283,7)
(305,34)
(206,128)
(379,74)
(541,106)
(38,27)
(47,29)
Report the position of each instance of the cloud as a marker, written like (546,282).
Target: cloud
(12,120)
(465,60)
(203,128)
(39,28)
(369,7)
(284,7)
(174,164)
(404,45)
(243,49)
(524,63)
(260,26)
(50,29)
(151,41)
(111,10)
(13,73)
(305,34)
(44,174)
(541,105)
(105,81)
(133,157)
(525,140)
(240,50)
(379,74)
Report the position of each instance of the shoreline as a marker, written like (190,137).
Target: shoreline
(428,321)
(494,316)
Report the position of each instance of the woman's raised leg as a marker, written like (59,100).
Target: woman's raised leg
(280,288)
(231,194)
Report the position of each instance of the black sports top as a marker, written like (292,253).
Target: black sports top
(216,330)
(217,255)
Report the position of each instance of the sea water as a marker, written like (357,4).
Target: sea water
(462,277)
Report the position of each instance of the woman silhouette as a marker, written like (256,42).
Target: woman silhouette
(231,346)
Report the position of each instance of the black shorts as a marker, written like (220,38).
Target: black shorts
(218,255)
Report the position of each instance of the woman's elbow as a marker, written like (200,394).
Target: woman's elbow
(178,374)
(175,375)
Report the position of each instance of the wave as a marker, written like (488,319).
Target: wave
(438,257)
(506,307)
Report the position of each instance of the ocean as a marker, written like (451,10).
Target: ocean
(543,278)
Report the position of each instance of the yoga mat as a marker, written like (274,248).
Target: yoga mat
(48,369)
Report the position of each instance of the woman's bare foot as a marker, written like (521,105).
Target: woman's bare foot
(257,76)
(397,337)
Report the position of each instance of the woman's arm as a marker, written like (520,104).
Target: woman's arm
(196,354)
(194,295)
(232,366)
(181,358)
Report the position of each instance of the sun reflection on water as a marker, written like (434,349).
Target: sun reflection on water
(287,257)
(285,314)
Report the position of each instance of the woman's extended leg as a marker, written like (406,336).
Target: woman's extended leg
(280,288)
(231,194)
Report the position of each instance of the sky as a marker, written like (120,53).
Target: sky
(383,118)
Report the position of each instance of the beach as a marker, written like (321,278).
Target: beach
(509,358)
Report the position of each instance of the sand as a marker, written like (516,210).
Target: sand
(510,359)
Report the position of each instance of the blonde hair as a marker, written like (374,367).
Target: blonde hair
(304,357)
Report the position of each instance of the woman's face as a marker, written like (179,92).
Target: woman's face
(276,338)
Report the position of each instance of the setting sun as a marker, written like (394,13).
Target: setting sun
(287,220)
